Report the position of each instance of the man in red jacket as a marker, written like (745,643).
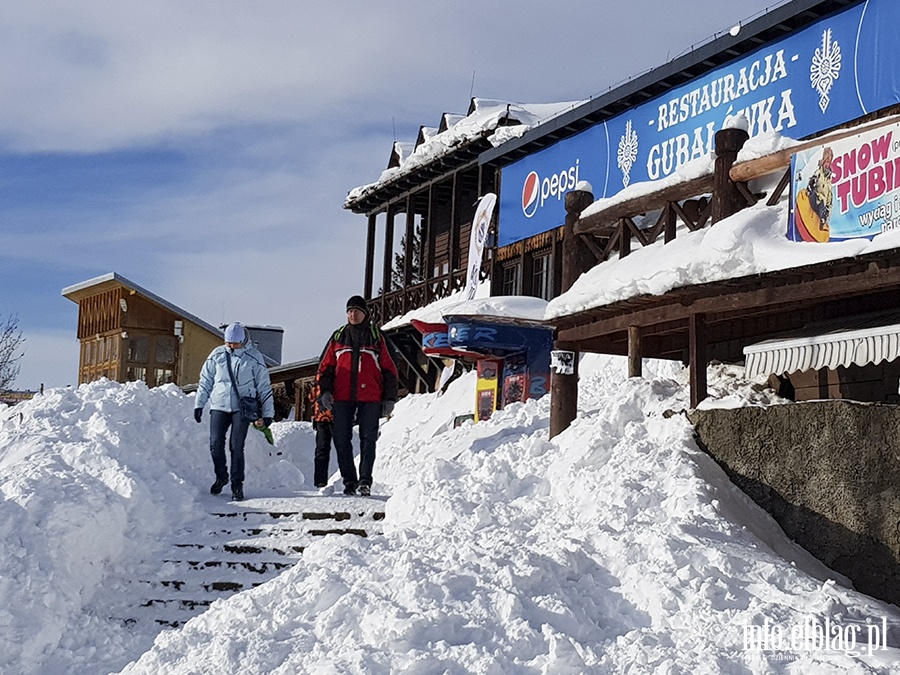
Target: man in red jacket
(358,381)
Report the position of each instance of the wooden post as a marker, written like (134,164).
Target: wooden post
(671,223)
(300,394)
(388,255)
(454,225)
(726,199)
(635,353)
(698,357)
(427,250)
(370,257)
(624,238)
(408,245)
(563,395)
(576,259)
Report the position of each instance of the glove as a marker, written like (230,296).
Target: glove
(267,422)
(387,407)
(326,400)
(198,414)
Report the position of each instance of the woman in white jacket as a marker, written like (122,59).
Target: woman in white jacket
(231,372)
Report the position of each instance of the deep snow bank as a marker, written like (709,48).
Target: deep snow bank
(92,480)
(617,547)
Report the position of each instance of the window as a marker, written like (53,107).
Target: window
(165,349)
(133,374)
(163,376)
(542,277)
(137,349)
(511,279)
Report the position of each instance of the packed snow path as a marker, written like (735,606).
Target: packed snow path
(237,546)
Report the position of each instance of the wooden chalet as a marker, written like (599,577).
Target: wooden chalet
(128,333)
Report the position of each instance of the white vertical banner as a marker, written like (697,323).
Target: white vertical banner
(480,225)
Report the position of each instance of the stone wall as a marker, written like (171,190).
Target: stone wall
(828,472)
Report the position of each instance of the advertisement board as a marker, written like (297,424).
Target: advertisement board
(828,73)
(847,189)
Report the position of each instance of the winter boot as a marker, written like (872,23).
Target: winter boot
(216,487)
(237,492)
(350,489)
(364,491)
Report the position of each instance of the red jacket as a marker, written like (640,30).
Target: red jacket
(357,366)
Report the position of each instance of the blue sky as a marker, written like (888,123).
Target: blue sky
(203,149)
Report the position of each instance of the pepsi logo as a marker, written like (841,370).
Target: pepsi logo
(530,193)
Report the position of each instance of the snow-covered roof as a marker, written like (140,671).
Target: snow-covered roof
(400,152)
(110,278)
(497,121)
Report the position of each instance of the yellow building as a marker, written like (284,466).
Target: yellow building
(128,333)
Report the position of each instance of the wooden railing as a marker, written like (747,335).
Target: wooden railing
(402,301)
(613,230)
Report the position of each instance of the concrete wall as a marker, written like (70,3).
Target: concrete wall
(828,472)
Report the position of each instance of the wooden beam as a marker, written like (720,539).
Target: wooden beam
(388,254)
(726,197)
(454,226)
(408,243)
(780,160)
(427,239)
(752,294)
(370,257)
(635,352)
(575,263)
(697,355)
(563,398)
(596,223)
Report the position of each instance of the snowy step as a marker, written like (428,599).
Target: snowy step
(265,516)
(199,584)
(237,548)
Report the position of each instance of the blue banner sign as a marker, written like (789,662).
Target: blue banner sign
(831,72)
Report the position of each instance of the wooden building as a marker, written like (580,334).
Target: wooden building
(128,333)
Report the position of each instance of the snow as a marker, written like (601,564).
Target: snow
(616,547)
(484,121)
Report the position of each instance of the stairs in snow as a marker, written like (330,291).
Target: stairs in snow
(237,547)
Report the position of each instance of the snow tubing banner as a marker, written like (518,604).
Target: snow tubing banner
(847,189)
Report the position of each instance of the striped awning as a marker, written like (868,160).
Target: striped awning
(860,340)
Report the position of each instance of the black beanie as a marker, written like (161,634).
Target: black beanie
(357,302)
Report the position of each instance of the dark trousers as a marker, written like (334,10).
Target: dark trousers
(219,422)
(323,452)
(366,415)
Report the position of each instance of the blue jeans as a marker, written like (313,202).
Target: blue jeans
(366,415)
(219,422)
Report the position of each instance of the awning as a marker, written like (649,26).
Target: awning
(858,340)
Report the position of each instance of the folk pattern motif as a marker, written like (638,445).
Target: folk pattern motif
(628,149)
(825,68)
